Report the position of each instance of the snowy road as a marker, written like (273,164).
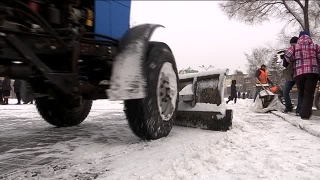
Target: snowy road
(260,146)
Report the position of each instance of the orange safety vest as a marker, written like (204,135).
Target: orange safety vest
(263,77)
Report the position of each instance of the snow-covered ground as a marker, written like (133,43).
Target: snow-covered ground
(260,146)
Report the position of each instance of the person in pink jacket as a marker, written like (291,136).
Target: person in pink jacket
(305,59)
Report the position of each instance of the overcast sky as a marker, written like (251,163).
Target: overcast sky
(199,33)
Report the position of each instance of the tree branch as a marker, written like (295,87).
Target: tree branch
(300,4)
(293,14)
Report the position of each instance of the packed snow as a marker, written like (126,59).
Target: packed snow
(259,146)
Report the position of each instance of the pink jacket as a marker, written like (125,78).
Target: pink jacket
(306,57)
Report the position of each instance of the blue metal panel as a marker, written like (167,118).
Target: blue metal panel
(112,18)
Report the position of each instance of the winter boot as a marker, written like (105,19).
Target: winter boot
(5,101)
(286,110)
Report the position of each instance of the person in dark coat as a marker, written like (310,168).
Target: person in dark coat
(17,86)
(233,95)
(1,98)
(6,88)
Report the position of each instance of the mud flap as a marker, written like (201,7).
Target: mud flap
(201,101)
(128,79)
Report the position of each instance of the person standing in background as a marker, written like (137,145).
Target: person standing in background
(233,95)
(6,88)
(16,88)
(1,98)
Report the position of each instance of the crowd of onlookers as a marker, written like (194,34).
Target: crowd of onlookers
(9,90)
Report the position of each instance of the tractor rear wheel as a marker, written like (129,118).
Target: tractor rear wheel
(152,117)
(60,115)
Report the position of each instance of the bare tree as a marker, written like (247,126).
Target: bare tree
(267,56)
(240,78)
(259,56)
(305,13)
(275,70)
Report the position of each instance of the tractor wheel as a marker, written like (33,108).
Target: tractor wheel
(152,117)
(57,114)
(317,101)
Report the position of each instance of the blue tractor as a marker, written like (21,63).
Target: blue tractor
(71,52)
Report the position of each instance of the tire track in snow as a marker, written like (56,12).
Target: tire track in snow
(260,146)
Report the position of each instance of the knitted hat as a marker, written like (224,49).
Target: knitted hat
(294,40)
(304,33)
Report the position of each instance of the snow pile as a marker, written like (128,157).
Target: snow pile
(204,73)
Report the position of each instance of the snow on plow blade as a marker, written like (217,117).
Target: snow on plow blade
(201,101)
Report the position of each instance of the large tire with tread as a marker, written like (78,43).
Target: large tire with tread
(57,114)
(151,118)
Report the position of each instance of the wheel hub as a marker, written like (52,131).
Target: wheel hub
(167,91)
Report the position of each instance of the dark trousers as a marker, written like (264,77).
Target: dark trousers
(1,98)
(230,98)
(286,95)
(306,84)
(18,97)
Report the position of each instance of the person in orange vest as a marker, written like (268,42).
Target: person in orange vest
(261,80)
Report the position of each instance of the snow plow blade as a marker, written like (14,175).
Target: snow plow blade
(201,101)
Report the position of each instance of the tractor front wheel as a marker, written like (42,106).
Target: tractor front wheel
(152,117)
